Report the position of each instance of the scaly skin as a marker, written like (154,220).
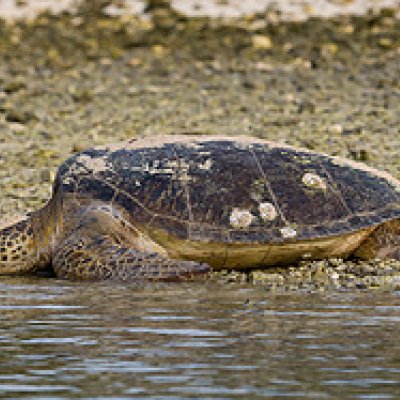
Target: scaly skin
(96,247)
(382,243)
(18,252)
(27,241)
(98,250)
(92,247)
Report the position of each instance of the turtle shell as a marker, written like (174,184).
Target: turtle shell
(233,189)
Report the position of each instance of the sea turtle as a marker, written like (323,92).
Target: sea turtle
(168,207)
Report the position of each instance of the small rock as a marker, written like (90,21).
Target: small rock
(306,106)
(335,276)
(336,129)
(82,95)
(14,86)
(20,116)
(47,175)
(77,21)
(385,42)
(105,61)
(359,154)
(16,127)
(289,97)
(134,62)
(308,9)
(159,50)
(361,285)
(264,67)
(301,63)
(263,42)
(329,48)
(248,84)
(348,29)
(133,90)
(77,147)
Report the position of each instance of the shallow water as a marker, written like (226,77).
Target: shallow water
(197,340)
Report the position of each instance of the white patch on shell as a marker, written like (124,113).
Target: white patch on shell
(92,164)
(241,218)
(313,181)
(84,164)
(288,232)
(178,168)
(156,170)
(267,211)
(206,165)
(243,145)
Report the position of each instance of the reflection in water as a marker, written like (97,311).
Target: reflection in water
(202,340)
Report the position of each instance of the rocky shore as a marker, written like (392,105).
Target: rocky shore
(79,79)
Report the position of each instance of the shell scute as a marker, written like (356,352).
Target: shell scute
(134,207)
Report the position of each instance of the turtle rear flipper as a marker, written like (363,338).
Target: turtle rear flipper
(94,251)
(383,242)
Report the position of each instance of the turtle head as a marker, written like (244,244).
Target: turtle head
(17,246)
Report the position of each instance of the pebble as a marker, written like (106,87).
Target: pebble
(16,127)
(14,86)
(336,129)
(385,42)
(19,116)
(47,175)
(324,275)
(261,42)
(159,50)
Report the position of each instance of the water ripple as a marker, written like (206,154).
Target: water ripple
(63,340)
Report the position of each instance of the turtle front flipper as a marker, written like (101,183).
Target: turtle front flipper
(98,250)
(17,247)
(382,243)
